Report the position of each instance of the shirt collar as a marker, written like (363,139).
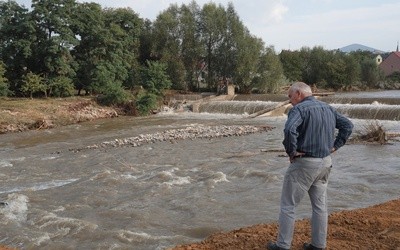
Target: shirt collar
(308,98)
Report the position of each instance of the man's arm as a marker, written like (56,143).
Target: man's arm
(345,127)
(290,132)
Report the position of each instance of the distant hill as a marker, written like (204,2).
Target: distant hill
(356,47)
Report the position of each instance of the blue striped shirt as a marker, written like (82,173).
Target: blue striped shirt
(310,129)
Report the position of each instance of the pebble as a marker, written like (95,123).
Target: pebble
(191,133)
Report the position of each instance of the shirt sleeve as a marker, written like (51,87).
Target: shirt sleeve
(345,128)
(291,131)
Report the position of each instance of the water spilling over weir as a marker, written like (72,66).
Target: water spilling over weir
(379,108)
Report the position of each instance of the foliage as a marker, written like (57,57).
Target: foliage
(108,47)
(292,65)
(270,75)
(370,73)
(4,86)
(33,83)
(146,102)
(54,39)
(61,86)
(394,77)
(154,77)
(17,33)
(329,68)
(114,95)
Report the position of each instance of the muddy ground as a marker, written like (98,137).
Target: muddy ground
(376,227)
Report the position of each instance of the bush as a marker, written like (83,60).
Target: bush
(4,89)
(62,86)
(4,86)
(155,78)
(146,102)
(114,95)
(33,83)
(394,77)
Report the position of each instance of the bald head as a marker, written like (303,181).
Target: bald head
(298,91)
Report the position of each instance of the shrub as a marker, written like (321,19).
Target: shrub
(62,86)
(146,102)
(114,95)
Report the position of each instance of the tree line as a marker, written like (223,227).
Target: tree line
(60,48)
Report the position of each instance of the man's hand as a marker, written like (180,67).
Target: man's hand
(295,155)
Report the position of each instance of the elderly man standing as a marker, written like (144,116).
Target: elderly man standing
(309,140)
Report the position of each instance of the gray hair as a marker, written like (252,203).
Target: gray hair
(301,87)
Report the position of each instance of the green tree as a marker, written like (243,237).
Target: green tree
(191,50)
(89,25)
(108,48)
(352,71)
(248,65)
(177,43)
(370,74)
(146,42)
(226,52)
(212,28)
(4,86)
(61,86)
(55,39)
(17,33)
(292,64)
(168,45)
(154,78)
(336,72)
(342,71)
(125,26)
(318,67)
(33,83)
(270,75)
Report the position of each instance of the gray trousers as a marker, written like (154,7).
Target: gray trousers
(305,175)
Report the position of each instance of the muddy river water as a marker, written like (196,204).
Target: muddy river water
(162,194)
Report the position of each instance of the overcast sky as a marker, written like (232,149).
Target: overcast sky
(292,24)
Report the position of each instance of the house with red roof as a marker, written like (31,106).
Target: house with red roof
(391,64)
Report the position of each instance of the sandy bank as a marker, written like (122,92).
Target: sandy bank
(376,227)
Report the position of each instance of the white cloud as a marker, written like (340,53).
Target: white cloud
(278,11)
(337,28)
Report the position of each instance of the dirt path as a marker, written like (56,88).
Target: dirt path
(376,227)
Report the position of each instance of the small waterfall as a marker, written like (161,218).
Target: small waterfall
(235,107)
(364,100)
(374,111)
(356,106)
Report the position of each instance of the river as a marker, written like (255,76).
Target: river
(162,194)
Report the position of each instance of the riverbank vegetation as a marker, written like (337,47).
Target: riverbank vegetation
(66,48)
